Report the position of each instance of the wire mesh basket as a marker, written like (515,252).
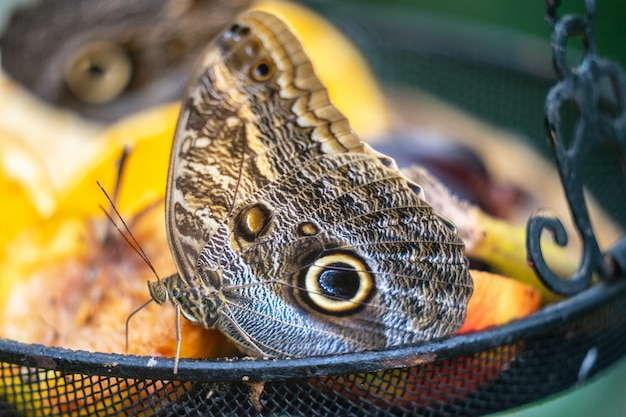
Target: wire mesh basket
(560,346)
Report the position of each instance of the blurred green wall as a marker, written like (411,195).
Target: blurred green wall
(528,16)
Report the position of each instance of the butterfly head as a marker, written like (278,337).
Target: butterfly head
(197,304)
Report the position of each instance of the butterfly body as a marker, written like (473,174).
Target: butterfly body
(290,234)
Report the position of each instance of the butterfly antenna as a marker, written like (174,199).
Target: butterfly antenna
(121,164)
(128,236)
(126,233)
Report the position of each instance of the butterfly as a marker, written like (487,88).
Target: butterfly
(106,60)
(290,234)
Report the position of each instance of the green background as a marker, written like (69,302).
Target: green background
(528,16)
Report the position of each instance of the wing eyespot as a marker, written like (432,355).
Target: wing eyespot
(307,229)
(336,284)
(99,72)
(262,70)
(253,221)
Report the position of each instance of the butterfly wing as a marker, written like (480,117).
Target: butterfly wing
(315,243)
(240,129)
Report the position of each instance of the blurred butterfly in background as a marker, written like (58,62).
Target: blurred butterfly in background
(108,59)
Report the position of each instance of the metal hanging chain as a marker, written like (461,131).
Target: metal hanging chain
(589,86)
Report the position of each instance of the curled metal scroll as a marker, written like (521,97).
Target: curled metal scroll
(589,86)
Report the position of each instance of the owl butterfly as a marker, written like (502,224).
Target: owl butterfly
(107,59)
(290,234)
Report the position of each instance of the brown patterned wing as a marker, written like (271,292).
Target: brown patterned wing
(254,110)
(291,235)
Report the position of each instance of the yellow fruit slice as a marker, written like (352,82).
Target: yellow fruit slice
(497,300)
(148,136)
(503,246)
(34,277)
(27,192)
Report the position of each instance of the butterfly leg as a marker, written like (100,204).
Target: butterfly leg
(178,339)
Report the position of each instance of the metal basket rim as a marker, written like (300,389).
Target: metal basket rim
(262,369)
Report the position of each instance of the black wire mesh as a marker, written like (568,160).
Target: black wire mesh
(470,375)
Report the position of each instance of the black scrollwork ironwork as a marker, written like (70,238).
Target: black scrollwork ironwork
(589,86)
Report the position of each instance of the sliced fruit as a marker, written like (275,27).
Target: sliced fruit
(503,246)
(148,136)
(497,300)
(28,195)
